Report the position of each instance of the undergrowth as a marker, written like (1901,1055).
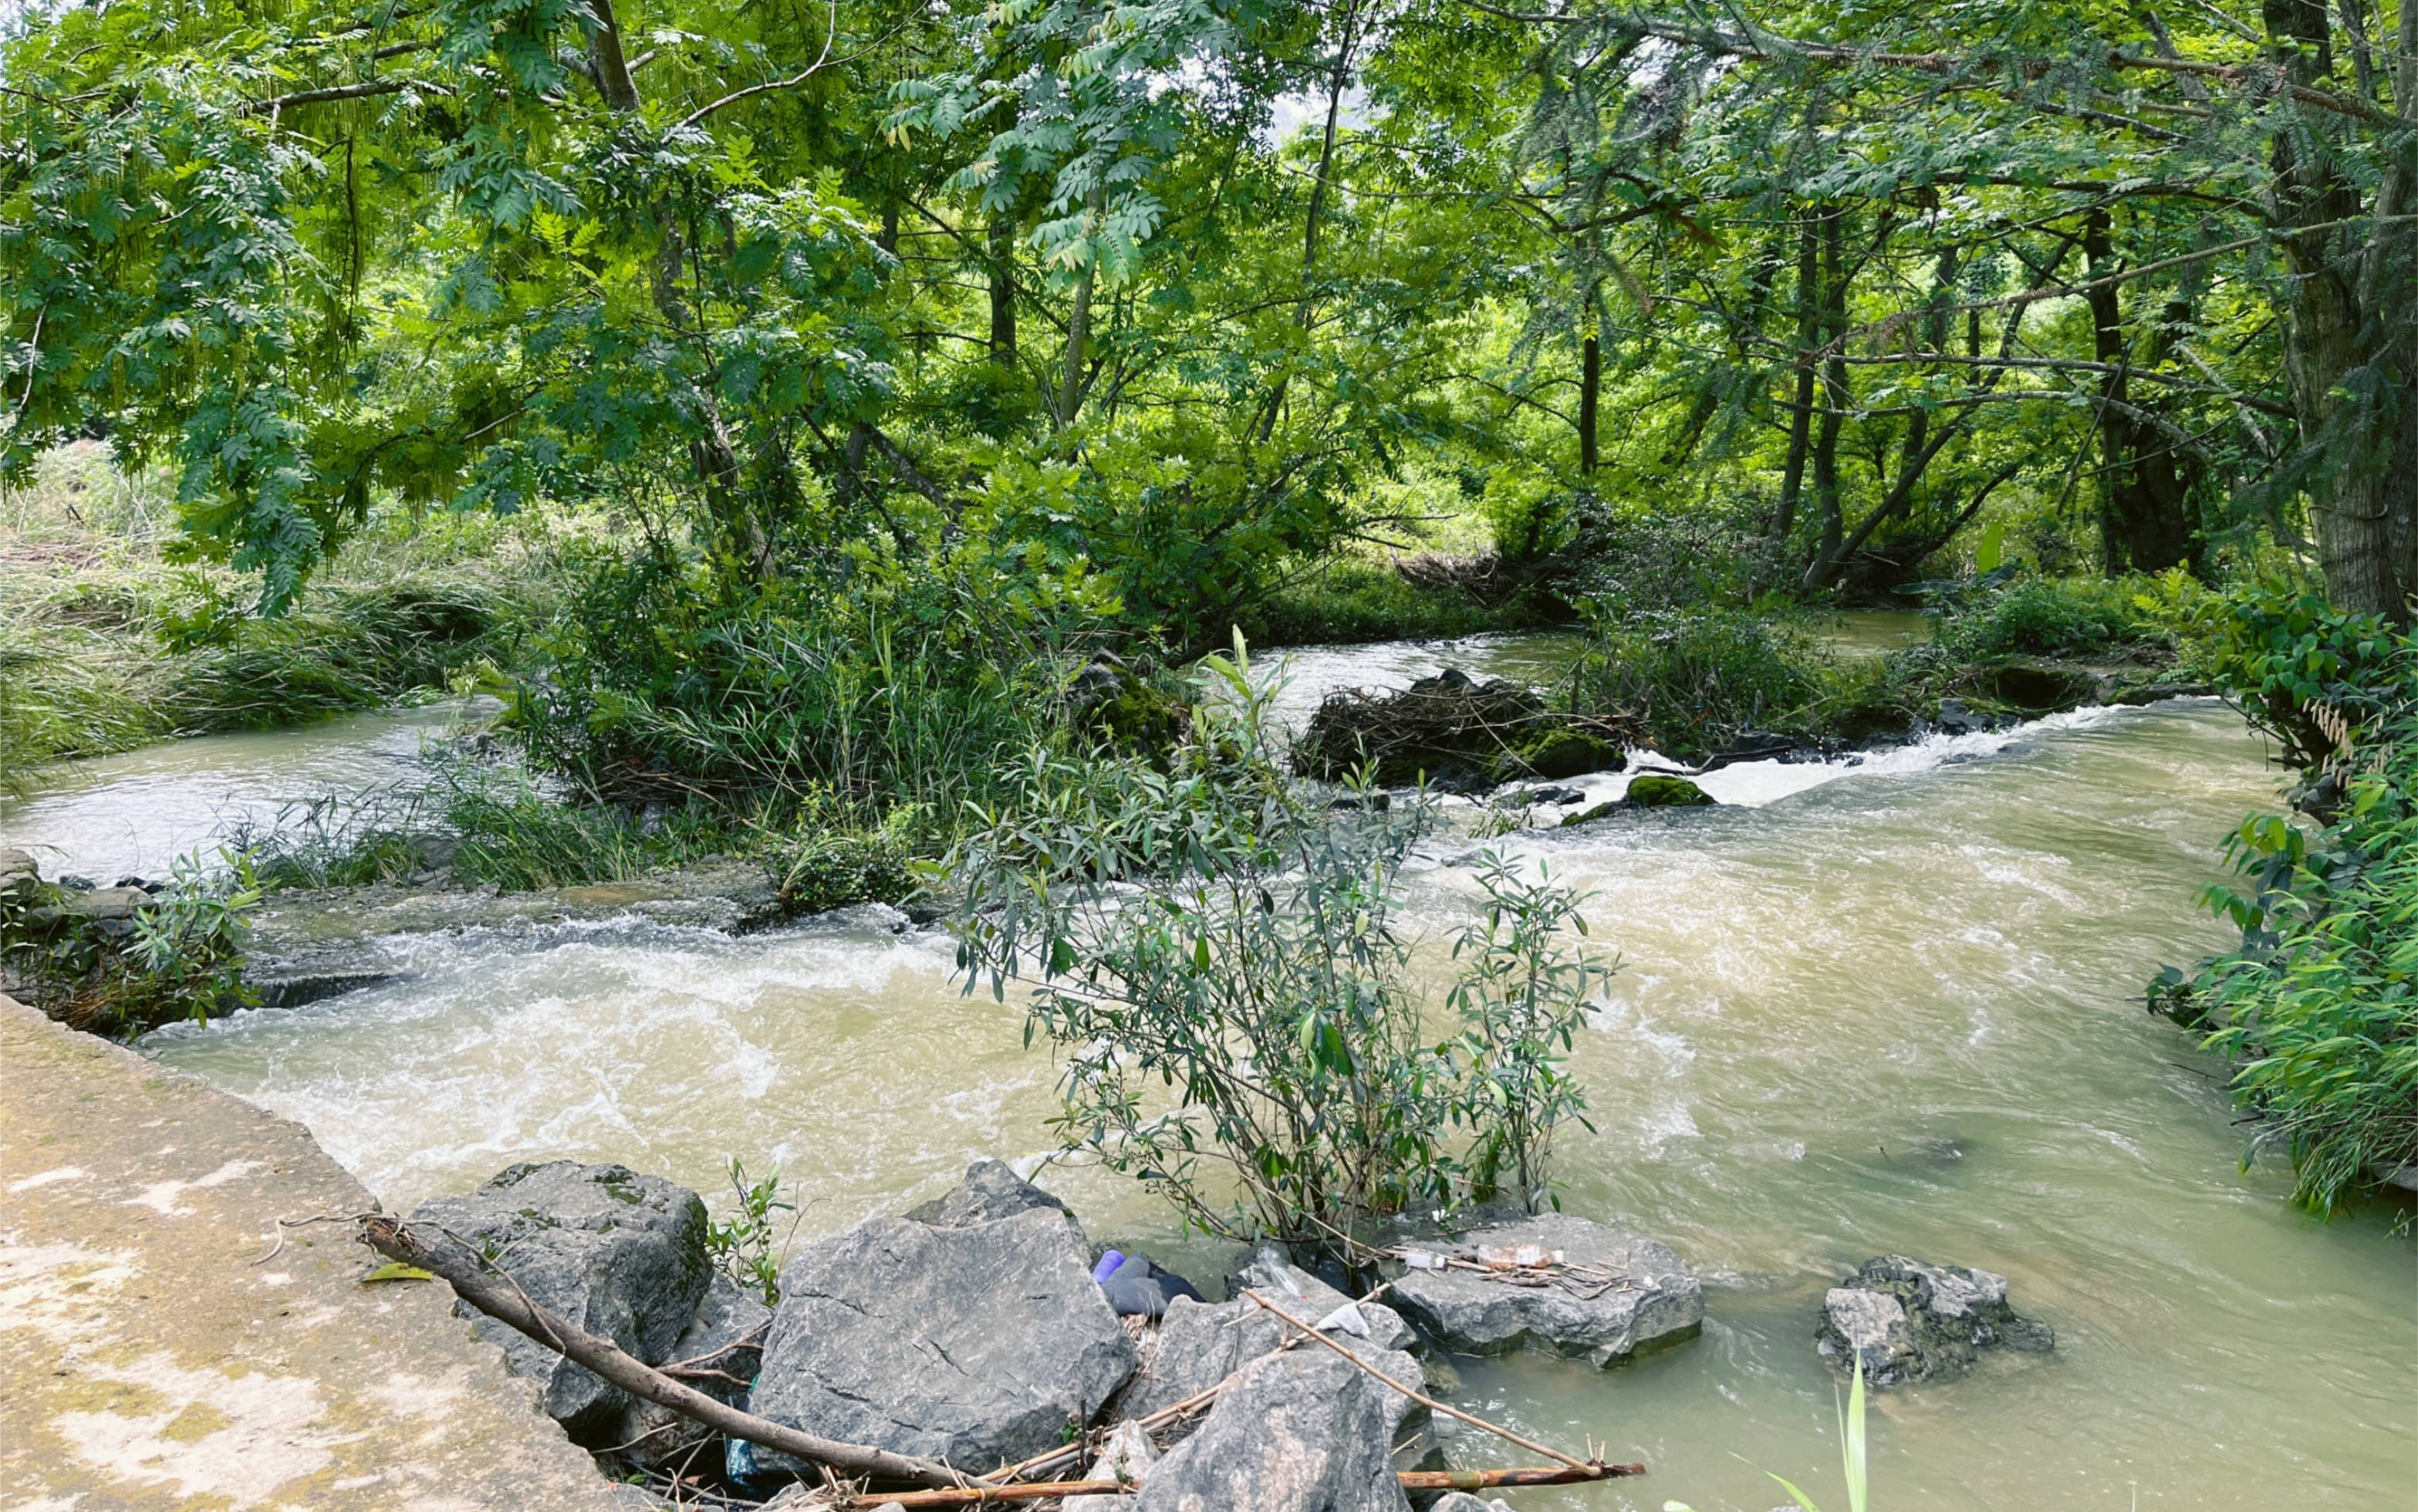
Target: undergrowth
(107,642)
(179,954)
(2317,1009)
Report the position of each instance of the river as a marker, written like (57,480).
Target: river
(1885,1008)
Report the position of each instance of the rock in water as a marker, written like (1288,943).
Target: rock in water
(1311,1300)
(725,1336)
(620,1254)
(978,1344)
(1303,1432)
(1910,1321)
(1656,789)
(1464,1502)
(1627,1293)
(989,1191)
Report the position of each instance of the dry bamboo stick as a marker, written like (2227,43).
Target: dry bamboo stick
(507,1304)
(1411,1480)
(1479,1480)
(1595,1466)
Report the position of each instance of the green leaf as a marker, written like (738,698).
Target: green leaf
(398,1271)
(1991,551)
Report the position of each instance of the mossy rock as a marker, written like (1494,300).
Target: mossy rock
(1568,753)
(1863,722)
(1657,791)
(1142,718)
(1653,790)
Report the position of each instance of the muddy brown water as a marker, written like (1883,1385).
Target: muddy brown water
(1888,1007)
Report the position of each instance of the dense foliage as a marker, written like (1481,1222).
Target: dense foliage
(2318,1007)
(1177,298)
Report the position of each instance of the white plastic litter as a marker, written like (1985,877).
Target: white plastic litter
(1346,1318)
(1419,1259)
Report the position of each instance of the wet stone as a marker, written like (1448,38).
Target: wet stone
(1910,1321)
(1625,1293)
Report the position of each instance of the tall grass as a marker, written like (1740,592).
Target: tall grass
(1689,682)
(106,644)
(480,823)
(668,683)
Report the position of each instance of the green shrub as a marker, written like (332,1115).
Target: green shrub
(1213,937)
(1519,1000)
(2070,617)
(1349,599)
(180,957)
(1689,682)
(2317,1008)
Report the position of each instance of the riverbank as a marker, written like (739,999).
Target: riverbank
(154,1353)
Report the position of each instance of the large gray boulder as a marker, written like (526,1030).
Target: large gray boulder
(1623,1294)
(620,1254)
(717,1354)
(977,1345)
(1302,1431)
(990,1191)
(1910,1321)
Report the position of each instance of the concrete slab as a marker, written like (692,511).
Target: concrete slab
(146,1360)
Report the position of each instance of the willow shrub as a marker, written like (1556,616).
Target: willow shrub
(2317,1009)
(1215,952)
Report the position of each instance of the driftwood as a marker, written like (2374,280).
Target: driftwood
(1480,1480)
(496,1295)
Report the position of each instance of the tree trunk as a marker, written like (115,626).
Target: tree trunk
(1590,394)
(1078,323)
(2146,482)
(1338,78)
(712,451)
(1003,291)
(2349,368)
(1835,395)
(1800,423)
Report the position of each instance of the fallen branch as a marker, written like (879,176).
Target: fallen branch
(500,1299)
(1480,1480)
(1589,1469)
(987,1495)
(1411,1480)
